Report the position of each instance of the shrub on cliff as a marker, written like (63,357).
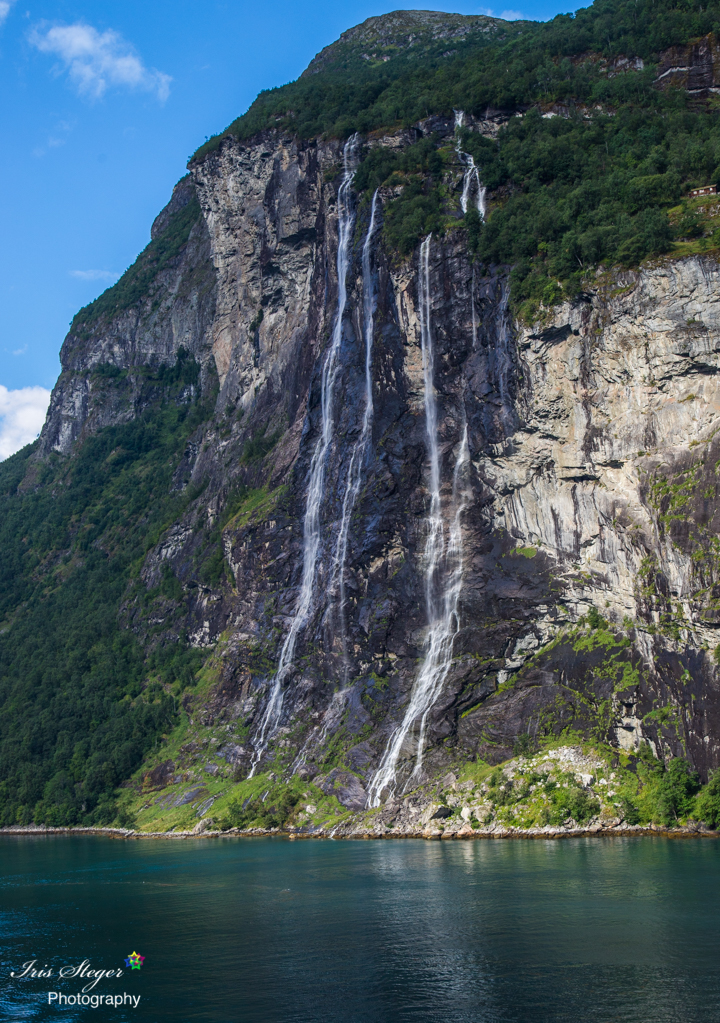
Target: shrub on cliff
(707,802)
(571,801)
(665,794)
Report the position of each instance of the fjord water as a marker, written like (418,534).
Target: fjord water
(272,931)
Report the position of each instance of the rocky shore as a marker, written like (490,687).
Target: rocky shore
(606,829)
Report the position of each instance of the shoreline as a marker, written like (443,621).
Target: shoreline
(464,834)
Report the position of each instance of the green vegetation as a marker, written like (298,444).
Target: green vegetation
(269,810)
(540,796)
(589,189)
(419,208)
(573,192)
(600,184)
(82,701)
(538,789)
(526,552)
(522,64)
(573,802)
(707,802)
(665,793)
(260,445)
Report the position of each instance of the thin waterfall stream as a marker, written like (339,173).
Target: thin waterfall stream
(359,452)
(316,477)
(471,175)
(443,568)
(352,485)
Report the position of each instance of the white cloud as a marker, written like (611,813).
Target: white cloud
(96,60)
(95,275)
(5,6)
(487,11)
(512,15)
(22,414)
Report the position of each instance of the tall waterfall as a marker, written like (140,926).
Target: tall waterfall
(333,713)
(443,568)
(359,451)
(472,175)
(316,478)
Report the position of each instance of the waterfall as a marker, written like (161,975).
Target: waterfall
(472,174)
(443,568)
(352,488)
(316,478)
(357,459)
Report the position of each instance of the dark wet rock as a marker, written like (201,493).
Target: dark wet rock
(359,758)
(346,787)
(160,776)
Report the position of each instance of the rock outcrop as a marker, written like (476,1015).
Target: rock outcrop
(695,67)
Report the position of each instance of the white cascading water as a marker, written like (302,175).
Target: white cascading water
(443,571)
(472,174)
(316,479)
(352,487)
(357,459)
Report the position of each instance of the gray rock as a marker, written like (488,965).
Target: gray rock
(346,787)
(204,806)
(189,796)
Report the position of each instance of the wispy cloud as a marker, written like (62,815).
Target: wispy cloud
(22,414)
(20,351)
(57,139)
(505,15)
(96,61)
(95,275)
(5,6)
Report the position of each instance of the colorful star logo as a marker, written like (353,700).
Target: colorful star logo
(134,961)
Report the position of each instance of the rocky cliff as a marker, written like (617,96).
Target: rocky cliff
(409,531)
(590,485)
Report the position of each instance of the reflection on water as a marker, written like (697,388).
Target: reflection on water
(277,931)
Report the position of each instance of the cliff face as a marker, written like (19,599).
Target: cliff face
(166,304)
(575,465)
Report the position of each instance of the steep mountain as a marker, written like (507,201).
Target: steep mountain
(394,455)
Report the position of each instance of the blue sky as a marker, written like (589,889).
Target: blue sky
(103,104)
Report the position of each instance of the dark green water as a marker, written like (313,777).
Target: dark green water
(277,931)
